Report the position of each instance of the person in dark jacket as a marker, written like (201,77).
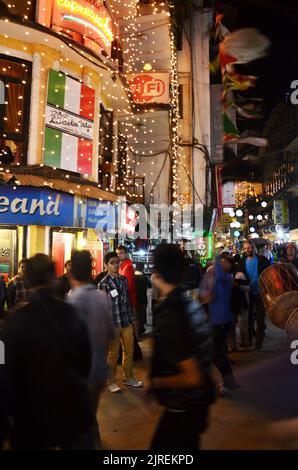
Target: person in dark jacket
(142,284)
(4,422)
(181,361)
(63,282)
(252,266)
(3,296)
(48,360)
(191,277)
(215,291)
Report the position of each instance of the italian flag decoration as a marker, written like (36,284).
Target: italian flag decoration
(69,124)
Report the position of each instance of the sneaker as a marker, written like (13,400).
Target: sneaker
(223,391)
(114,388)
(133,383)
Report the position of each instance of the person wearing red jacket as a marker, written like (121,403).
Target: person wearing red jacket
(126,269)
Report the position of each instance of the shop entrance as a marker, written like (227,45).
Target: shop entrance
(63,243)
(8,253)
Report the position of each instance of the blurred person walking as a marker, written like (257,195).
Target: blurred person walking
(181,360)
(48,361)
(63,282)
(96,310)
(215,291)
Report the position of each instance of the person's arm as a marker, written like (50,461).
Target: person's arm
(130,276)
(11,294)
(188,377)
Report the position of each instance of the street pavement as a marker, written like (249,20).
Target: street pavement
(127,420)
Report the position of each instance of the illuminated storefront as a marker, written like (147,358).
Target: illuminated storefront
(15,89)
(40,220)
(87,22)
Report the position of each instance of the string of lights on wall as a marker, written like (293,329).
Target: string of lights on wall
(136,128)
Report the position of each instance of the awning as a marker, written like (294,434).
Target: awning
(79,189)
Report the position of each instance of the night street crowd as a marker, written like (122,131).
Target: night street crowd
(64,337)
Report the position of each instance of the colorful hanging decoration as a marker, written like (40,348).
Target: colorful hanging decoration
(239,47)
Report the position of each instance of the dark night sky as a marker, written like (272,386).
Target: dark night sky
(280,68)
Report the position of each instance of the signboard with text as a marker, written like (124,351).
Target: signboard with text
(96,250)
(69,123)
(225,191)
(86,21)
(34,206)
(149,87)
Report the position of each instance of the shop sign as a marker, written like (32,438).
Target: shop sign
(204,246)
(280,212)
(225,191)
(149,87)
(95,249)
(32,206)
(101,216)
(90,19)
(70,123)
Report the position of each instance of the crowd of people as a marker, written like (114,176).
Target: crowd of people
(63,338)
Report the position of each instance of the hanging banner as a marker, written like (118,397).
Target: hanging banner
(225,192)
(280,212)
(69,124)
(149,87)
(216,127)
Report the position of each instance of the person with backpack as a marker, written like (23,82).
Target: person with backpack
(181,361)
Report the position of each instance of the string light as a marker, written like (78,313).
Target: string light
(132,38)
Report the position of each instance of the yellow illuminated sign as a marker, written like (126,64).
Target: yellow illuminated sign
(102,23)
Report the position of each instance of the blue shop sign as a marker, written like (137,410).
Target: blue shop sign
(101,215)
(35,206)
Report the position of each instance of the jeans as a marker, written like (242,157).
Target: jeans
(180,430)
(125,336)
(220,350)
(256,307)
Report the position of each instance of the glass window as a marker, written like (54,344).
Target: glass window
(15,88)
(23,8)
(8,253)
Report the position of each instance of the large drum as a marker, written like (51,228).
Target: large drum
(292,326)
(279,290)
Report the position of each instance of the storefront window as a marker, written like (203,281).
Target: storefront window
(62,245)
(23,8)
(8,253)
(15,79)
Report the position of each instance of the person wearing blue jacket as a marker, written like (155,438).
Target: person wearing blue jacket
(221,318)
